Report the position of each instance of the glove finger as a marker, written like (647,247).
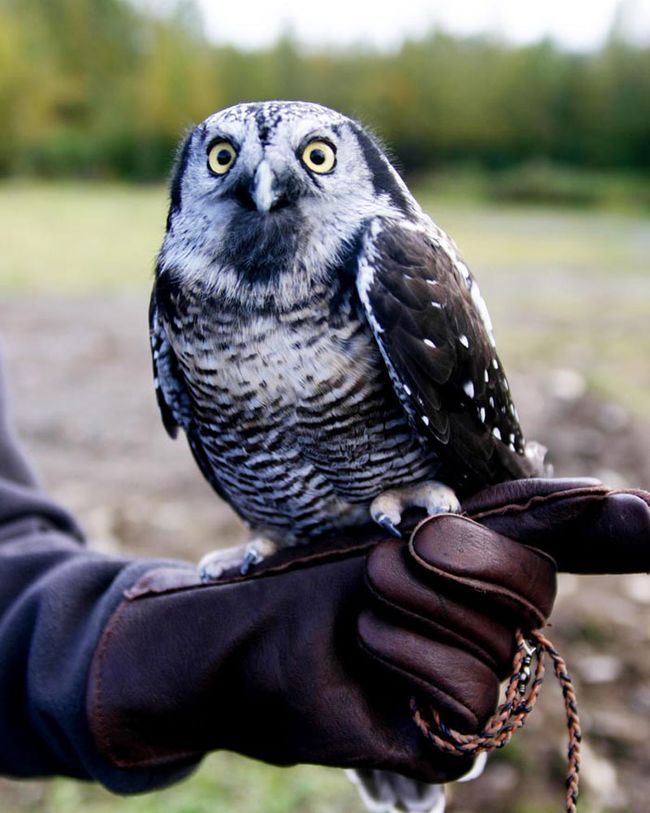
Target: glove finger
(586,530)
(458,550)
(518,493)
(459,685)
(406,600)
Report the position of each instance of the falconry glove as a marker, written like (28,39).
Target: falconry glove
(314,657)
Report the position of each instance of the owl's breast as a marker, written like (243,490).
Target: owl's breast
(300,369)
(296,413)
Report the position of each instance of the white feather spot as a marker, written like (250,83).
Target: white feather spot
(432,282)
(486,376)
(468,386)
(496,432)
(425,420)
(481,414)
(463,340)
(364,280)
(481,307)
(407,390)
(495,364)
(429,343)
(462,269)
(436,304)
(491,401)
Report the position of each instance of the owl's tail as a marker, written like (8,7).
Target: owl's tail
(385,792)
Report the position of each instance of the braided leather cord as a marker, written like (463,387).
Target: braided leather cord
(520,698)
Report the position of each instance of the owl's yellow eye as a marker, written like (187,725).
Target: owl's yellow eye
(319,156)
(221,156)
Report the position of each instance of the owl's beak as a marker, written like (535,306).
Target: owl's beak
(266,191)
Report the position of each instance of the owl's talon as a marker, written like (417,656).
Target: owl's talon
(204,576)
(436,498)
(251,557)
(386,522)
(215,564)
(242,558)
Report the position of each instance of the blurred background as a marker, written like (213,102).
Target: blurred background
(524,129)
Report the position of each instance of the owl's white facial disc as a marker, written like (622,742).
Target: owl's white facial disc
(272,211)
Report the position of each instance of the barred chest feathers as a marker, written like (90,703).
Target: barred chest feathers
(294,409)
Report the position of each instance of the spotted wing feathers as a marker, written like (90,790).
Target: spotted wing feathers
(433,330)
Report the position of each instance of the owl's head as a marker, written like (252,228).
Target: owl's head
(262,188)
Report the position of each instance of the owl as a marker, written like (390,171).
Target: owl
(321,342)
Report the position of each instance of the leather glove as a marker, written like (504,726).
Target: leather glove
(301,661)
(467,589)
(470,585)
(584,525)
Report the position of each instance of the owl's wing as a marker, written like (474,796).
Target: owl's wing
(171,391)
(435,335)
(173,398)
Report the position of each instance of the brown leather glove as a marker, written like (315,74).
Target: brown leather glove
(447,608)
(471,585)
(301,662)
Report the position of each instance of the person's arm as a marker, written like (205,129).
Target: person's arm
(55,599)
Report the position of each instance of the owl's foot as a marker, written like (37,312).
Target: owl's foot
(242,557)
(434,497)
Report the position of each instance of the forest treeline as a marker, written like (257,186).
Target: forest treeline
(102,88)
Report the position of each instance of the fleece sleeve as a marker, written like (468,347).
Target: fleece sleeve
(56,597)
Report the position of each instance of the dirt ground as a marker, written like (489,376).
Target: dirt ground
(79,373)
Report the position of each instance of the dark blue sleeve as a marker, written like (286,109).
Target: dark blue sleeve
(56,597)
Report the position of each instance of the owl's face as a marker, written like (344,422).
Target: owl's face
(268,188)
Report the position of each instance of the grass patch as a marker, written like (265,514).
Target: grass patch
(541,182)
(224,783)
(524,240)
(77,238)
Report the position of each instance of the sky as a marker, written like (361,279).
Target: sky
(574,24)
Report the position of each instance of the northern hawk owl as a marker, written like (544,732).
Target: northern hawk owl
(320,340)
